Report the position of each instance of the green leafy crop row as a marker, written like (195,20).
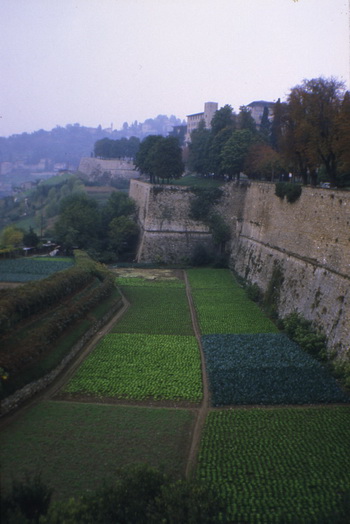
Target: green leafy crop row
(146,282)
(159,310)
(278,465)
(140,367)
(222,305)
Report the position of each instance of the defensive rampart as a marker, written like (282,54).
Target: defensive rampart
(94,168)
(168,234)
(307,241)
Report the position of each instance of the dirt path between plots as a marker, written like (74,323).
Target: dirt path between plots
(203,410)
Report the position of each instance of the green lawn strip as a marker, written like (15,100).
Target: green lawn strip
(77,447)
(140,367)
(266,369)
(26,269)
(278,465)
(152,282)
(155,310)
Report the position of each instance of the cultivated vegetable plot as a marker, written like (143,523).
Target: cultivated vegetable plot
(223,307)
(79,446)
(140,367)
(158,310)
(148,282)
(213,278)
(27,269)
(265,369)
(278,465)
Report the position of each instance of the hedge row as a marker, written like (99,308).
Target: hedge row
(35,297)
(39,340)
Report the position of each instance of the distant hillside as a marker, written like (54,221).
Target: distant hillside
(66,145)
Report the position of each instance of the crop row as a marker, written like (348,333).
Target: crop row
(211,278)
(265,369)
(27,269)
(147,282)
(280,465)
(156,310)
(139,367)
(222,305)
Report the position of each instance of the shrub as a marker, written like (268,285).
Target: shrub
(27,501)
(254,293)
(286,189)
(300,330)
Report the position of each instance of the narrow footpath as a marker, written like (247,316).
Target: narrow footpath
(203,410)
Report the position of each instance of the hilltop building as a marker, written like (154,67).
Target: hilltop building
(257,110)
(193,120)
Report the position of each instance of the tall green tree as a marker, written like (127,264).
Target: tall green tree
(198,160)
(168,164)
(79,221)
(123,234)
(223,118)
(277,125)
(245,120)
(145,156)
(216,145)
(234,153)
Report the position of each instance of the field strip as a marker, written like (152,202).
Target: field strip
(203,410)
(57,384)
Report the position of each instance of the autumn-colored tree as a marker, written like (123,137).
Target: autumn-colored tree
(263,161)
(343,146)
(313,130)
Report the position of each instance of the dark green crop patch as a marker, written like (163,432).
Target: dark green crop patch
(266,369)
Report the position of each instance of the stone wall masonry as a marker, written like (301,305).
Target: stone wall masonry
(309,240)
(164,208)
(116,168)
(168,235)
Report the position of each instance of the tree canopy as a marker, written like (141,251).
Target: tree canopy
(308,135)
(106,232)
(160,158)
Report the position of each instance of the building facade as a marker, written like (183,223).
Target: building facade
(207,115)
(257,110)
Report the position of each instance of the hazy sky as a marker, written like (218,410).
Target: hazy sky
(100,61)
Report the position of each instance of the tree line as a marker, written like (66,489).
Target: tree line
(307,136)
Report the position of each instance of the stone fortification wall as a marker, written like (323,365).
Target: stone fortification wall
(167,233)
(309,241)
(116,168)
